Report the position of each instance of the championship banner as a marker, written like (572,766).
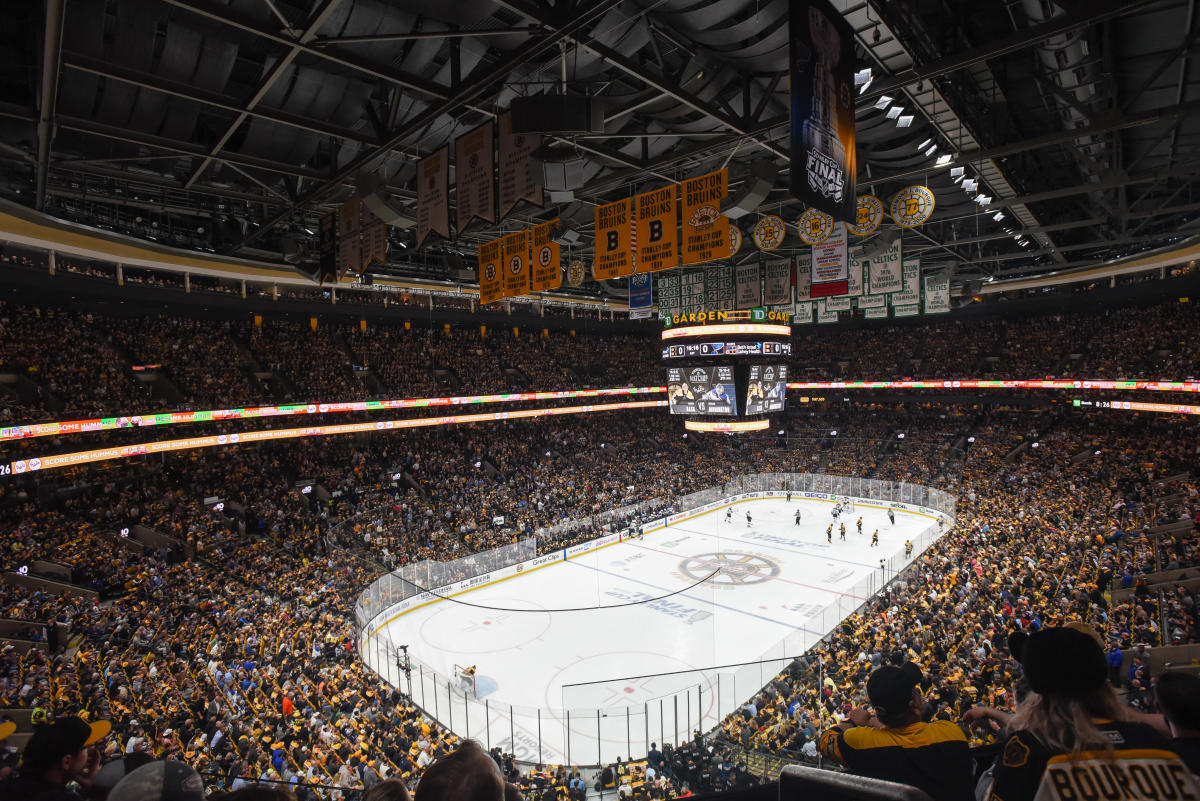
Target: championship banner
(876,314)
(519,178)
(822,137)
(855,265)
(474,163)
(871,302)
(906,310)
(516,264)
(803,276)
(433,202)
(803,314)
(830,272)
(374,238)
(840,303)
(777,280)
(641,296)
(657,232)
(490,289)
(705,228)
(826,316)
(614,252)
(885,273)
(546,269)
(912,283)
(937,295)
(749,286)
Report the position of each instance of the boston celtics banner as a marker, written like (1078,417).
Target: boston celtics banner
(749,286)
(822,84)
(777,278)
(911,293)
(884,273)
(937,295)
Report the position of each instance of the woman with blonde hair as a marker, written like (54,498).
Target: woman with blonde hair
(1071,738)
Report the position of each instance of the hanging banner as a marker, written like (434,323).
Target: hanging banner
(911,293)
(826,316)
(546,270)
(433,202)
(906,310)
(705,229)
(885,273)
(912,206)
(769,232)
(830,271)
(803,314)
(349,238)
(880,313)
(868,215)
(576,272)
(374,238)
(871,301)
(692,294)
(749,286)
(668,294)
(614,251)
(735,240)
(814,226)
(520,176)
(516,264)
(718,288)
(474,165)
(489,254)
(822,105)
(937,295)
(803,276)
(840,303)
(657,231)
(640,296)
(777,281)
(855,265)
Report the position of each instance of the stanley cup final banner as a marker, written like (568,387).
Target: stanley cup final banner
(821,60)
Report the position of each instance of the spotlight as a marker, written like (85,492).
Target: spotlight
(894,112)
(1034,445)
(931,150)
(833,433)
(478,465)
(904,121)
(925,144)
(970,185)
(943,160)
(983,200)
(957,172)
(883,102)
(998,216)
(900,435)
(862,76)
(970,439)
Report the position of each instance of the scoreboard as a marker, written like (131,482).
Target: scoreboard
(689,350)
(767,388)
(702,390)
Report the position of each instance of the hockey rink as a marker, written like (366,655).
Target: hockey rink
(594,655)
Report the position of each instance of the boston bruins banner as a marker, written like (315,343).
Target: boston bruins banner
(547,260)
(433,202)
(614,251)
(490,289)
(822,135)
(657,232)
(516,264)
(705,228)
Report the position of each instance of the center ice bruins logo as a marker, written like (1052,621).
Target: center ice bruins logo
(736,569)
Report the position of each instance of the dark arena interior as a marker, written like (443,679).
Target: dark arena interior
(630,399)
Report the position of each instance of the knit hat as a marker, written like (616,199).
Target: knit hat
(1060,661)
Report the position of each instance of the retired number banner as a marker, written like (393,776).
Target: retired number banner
(657,233)
(475,189)
(490,289)
(614,252)
(433,202)
(519,180)
(705,229)
(547,258)
(830,265)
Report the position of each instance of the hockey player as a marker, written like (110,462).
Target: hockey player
(789,496)
(748,520)
(875,539)
(843,531)
(729,515)
(892,516)
(908,549)
(829,533)
(797,517)
(860,526)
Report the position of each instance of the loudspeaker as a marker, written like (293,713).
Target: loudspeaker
(557,114)
(754,191)
(371,187)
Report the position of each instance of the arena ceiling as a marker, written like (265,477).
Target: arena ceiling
(232,125)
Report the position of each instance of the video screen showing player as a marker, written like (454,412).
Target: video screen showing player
(767,389)
(701,390)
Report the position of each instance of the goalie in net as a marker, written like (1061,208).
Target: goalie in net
(843,506)
(465,676)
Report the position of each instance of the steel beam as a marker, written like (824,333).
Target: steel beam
(48,96)
(462,96)
(278,70)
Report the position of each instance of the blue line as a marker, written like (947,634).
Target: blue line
(713,604)
(774,545)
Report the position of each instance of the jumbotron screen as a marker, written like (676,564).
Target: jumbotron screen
(724,349)
(701,390)
(767,388)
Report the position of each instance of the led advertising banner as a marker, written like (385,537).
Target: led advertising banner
(689,350)
(701,390)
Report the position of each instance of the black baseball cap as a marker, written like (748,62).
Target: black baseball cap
(1060,661)
(166,780)
(58,738)
(890,688)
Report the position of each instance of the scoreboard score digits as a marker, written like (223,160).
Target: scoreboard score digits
(687,350)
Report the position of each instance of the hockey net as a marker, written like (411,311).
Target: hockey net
(465,676)
(846,506)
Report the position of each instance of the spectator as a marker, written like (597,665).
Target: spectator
(465,774)
(60,752)
(1179,698)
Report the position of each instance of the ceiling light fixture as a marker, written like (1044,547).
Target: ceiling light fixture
(983,200)
(862,76)
(883,102)
(905,121)
(924,144)
(957,172)
(943,160)
(970,184)
(894,112)
(998,216)
(931,150)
